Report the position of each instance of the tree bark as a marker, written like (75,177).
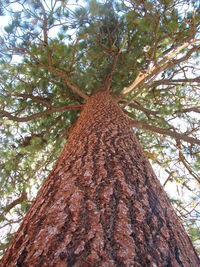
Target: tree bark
(102,204)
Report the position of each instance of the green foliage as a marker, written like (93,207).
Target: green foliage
(38,50)
(194,233)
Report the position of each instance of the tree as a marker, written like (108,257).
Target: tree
(140,52)
(102,204)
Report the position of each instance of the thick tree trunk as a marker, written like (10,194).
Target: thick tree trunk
(102,205)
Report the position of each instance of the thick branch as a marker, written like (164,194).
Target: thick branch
(162,65)
(4,113)
(74,88)
(155,129)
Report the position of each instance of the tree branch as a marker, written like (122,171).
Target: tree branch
(13,204)
(175,81)
(74,88)
(108,80)
(155,129)
(184,110)
(187,165)
(162,65)
(138,106)
(38,99)
(168,178)
(4,113)
(60,73)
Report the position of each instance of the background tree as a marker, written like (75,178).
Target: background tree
(55,55)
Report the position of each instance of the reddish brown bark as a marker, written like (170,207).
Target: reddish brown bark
(102,205)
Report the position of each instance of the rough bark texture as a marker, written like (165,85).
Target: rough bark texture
(102,204)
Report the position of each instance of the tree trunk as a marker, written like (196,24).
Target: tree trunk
(102,204)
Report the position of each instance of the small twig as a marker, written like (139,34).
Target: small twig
(168,178)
